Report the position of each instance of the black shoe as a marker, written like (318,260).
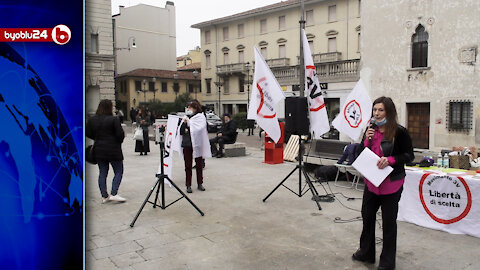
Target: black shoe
(194,167)
(357,256)
(145,153)
(200,187)
(141,154)
(385,268)
(189,189)
(220,155)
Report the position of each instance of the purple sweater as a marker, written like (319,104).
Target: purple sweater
(387,186)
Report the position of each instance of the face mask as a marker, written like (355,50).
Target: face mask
(189,112)
(381,122)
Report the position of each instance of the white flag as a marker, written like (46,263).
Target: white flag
(318,112)
(355,113)
(170,140)
(266,93)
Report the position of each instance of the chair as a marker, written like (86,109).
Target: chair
(344,169)
(356,177)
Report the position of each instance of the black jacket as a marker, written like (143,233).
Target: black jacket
(109,134)
(401,149)
(229,129)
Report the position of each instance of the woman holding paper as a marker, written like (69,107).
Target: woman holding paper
(195,143)
(392,143)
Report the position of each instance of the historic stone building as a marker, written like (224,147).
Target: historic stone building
(333,31)
(145,37)
(99,57)
(424,54)
(142,86)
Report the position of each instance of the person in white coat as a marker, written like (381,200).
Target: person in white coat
(195,143)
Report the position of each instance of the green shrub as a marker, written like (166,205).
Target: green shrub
(241,120)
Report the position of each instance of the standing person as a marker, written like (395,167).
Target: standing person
(120,115)
(108,134)
(227,134)
(251,126)
(133,114)
(392,143)
(195,143)
(143,121)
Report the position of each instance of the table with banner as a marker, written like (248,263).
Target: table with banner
(443,201)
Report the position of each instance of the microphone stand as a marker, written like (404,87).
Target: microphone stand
(160,182)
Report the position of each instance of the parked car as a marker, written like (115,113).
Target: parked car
(214,123)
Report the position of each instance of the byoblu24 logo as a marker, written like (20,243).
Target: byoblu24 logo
(61,34)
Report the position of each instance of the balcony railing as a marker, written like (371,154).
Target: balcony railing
(338,71)
(325,57)
(278,62)
(231,68)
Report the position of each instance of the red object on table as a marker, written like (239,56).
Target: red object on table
(274,151)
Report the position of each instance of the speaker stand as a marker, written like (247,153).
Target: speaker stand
(301,170)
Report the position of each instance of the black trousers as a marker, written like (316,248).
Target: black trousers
(221,142)
(389,204)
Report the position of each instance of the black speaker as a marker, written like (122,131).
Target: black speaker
(296,116)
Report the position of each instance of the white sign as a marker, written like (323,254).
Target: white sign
(443,202)
(170,137)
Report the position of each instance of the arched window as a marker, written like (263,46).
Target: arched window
(419,47)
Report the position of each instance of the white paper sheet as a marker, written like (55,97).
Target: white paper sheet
(366,164)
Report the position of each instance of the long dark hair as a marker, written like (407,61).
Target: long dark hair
(142,112)
(105,107)
(391,115)
(196,105)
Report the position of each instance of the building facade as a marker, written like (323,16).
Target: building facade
(333,31)
(142,86)
(192,57)
(426,58)
(99,56)
(145,37)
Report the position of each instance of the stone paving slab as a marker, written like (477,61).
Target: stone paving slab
(239,231)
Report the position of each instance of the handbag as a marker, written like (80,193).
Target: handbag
(90,154)
(138,135)
(90,150)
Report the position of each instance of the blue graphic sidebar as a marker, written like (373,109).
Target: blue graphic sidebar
(41,140)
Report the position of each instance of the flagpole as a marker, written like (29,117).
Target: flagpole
(301,67)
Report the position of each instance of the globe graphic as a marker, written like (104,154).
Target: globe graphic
(41,188)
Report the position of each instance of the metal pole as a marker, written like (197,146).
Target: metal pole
(219,105)
(248,86)
(301,67)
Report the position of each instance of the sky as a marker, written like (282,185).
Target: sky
(189,12)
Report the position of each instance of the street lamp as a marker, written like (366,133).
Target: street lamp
(219,84)
(154,90)
(247,66)
(175,86)
(195,75)
(144,90)
(128,45)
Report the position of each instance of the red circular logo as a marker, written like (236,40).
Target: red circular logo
(437,194)
(353,113)
(61,34)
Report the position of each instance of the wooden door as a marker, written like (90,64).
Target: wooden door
(419,124)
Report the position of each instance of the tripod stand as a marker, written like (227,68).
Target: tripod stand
(301,170)
(160,184)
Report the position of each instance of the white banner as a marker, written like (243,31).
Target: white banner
(319,124)
(171,137)
(266,93)
(449,203)
(355,113)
